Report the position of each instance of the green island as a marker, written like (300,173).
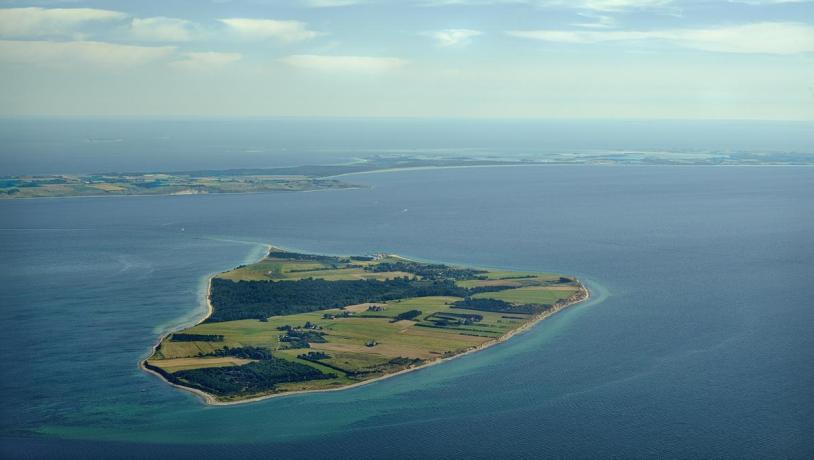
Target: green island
(295,322)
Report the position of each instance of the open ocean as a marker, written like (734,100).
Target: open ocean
(697,342)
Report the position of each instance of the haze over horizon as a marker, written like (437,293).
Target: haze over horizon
(587,59)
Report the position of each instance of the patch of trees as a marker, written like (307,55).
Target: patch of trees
(313,356)
(499,306)
(252,378)
(426,271)
(479,289)
(399,362)
(257,353)
(277,254)
(341,314)
(446,319)
(308,336)
(298,338)
(260,299)
(293,343)
(402,361)
(196,338)
(469,316)
(409,314)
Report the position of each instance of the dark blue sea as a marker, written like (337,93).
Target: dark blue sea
(697,342)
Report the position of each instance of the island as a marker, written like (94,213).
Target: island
(295,322)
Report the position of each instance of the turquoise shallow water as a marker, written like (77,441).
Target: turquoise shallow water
(696,343)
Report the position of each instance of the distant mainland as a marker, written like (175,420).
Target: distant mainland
(322,177)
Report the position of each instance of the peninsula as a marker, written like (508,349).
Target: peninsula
(295,322)
(329,176)
(199,182)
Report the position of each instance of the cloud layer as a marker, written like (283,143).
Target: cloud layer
(48,53)
(261,29)
(163,29)
(584,58)
(29,22)
(764,37)
(453,37)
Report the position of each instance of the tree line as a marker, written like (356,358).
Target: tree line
(499,306)
(260,299)
(252,378)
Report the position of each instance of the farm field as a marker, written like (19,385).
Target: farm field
(303,322)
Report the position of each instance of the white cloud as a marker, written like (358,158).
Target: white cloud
(341,64)
(205,60)
(453,37)
(259,29)
(48,53)
(614,5)
(50,21)
(763,37)
(600,21)
(579,36)
(162,29)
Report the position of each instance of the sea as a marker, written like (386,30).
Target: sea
(697,341)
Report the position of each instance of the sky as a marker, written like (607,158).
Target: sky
(496,59)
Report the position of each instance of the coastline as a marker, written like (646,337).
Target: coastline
(351,186)
(582,295)
(207,398)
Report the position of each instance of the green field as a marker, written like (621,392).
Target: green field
(530,295)
(347,324)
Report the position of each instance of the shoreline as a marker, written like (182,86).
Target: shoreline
(208,398)
(582,295)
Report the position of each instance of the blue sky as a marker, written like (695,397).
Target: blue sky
(618,59)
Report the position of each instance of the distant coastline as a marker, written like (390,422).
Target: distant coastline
(328,177)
